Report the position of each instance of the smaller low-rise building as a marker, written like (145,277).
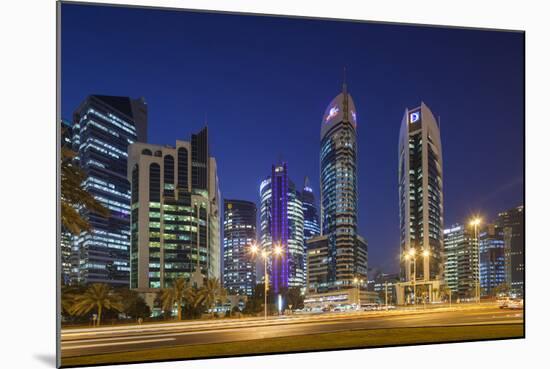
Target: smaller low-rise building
(340,300)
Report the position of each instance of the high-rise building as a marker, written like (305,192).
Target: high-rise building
(461,260)
(317,265)
(103,128)
(346,251)
(66,239)
(513,224)
(421,194)
(282,224)
(492,259)
(311,218)
(175,213)
(239,232)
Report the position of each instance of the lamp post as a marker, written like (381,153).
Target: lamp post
(426,255)
(386,288)
(357,282)
(277,251)
(475,222)
(411,255)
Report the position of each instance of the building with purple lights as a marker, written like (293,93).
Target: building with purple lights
(282,225)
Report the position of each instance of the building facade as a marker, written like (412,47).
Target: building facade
(492,259)
(309,207)
(175,219)
(384,285)
(317,265)
(103,128)
(346,250)
(66,239)
(282,224)
(461,260)
(420,176)
(239,232)
(513,224)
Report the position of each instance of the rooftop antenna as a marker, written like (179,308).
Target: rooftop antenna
(280,159)
(345,92)
(344,84)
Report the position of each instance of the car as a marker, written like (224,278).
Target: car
(515,304)
(510,303)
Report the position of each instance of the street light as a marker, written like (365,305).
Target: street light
(411,255)
(277,251)
(476,222)
(357,282)
(426,254)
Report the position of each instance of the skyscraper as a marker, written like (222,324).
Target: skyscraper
(103,128)
(492,259)
(513,224)
(461,260)
(346,251)
(239,232)
(311,218)
(175,213)
(66,238)
(421,193)
(282,224)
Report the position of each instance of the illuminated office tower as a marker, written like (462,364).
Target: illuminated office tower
(103,128)
(461,260)
(492,259)
(66,238)
(346,251)
(175,213)
(239,232)
(311,218)
(421,194)
(513,224)
(282,224)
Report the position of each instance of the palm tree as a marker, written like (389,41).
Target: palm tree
(98,296)
(180,291)
(68,294)
(212,292)
(447,292)
(74,195)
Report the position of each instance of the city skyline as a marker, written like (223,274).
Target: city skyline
(304,96)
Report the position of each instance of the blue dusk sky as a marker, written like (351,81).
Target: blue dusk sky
(263,83)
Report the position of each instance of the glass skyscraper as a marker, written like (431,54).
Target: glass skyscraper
(239,232)
(346,250)
(175,213)
(492,259)
(311,218)
(513,224)
(282,224)
(461,260)
(103,128)
(66,238)
(421,193)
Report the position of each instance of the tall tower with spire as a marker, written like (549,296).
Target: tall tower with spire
(347,251)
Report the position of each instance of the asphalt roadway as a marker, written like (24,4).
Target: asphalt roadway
(92,341)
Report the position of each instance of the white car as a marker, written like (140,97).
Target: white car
(511,304)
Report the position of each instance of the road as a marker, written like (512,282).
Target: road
(91,341)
